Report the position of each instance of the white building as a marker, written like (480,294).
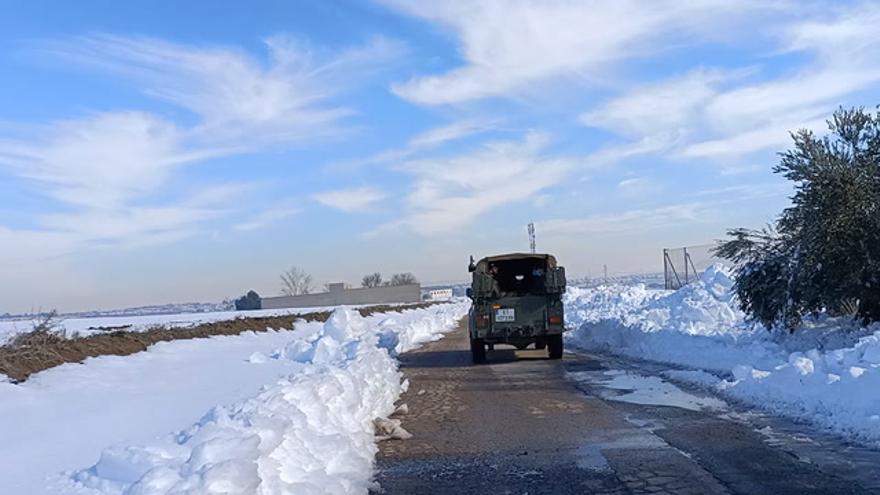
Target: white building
(439,294)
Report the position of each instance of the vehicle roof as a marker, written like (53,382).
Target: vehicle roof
(551,260)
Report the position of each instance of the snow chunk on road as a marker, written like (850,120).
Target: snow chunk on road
(311,433)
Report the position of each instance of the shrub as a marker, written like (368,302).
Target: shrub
(249,301)
(823,253)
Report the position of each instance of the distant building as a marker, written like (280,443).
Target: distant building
(338,295)
(438,294)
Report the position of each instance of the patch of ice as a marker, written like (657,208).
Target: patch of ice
(623,386)
(590,457)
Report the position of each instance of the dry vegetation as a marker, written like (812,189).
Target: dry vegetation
(46,346)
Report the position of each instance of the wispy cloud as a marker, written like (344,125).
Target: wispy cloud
(450,132)
(242,101)
(268,217)
(108,171)
(508,46)
(351,200)
(638,188)
(101,161)
(628,221)
(713,113)
(663,112)
(449,192)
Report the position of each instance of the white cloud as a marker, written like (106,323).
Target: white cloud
(450,132)
(774,135)
(664,111)
(509,45)
(638,188)
(449,192)
(426,140)
(710,114)
(351,200)
(630,221)
(101,161)
(268,217)
(103,168)
(242,101)
(109,171)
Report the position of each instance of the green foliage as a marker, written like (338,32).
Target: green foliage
(249,301)
(823,254)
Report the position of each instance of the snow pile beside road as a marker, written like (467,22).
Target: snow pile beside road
(819,374)
(698,325)
(309,433)
(836,388)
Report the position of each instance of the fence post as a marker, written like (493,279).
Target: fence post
(665,270)
(686,280)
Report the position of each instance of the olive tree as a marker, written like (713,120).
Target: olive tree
(823,253)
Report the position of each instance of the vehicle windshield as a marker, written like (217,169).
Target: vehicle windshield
(519,277)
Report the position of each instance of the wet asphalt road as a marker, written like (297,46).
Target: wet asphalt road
(522,424)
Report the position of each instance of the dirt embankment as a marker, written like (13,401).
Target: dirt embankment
(44,348)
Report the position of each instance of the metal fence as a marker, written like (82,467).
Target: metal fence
(684,265)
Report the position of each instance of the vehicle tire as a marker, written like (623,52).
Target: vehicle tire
(540,344)
(554,346)
(478,351)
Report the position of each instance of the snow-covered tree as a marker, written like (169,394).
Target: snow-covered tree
(823,254)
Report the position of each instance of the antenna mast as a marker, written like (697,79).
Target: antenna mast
(532,236)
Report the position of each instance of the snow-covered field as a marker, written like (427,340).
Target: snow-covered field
(827,372)
(139,323)
(256,413)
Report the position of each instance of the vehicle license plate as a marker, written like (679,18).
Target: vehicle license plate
(505,314)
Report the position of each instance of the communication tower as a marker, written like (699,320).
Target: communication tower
(532,236)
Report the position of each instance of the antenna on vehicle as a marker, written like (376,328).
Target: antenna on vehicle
(532,236)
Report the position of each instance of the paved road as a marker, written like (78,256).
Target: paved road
(525,424)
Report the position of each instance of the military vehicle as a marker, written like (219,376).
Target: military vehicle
(517,300)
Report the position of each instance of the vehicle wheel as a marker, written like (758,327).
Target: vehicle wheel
(540,344)
(478,351)
(554,346)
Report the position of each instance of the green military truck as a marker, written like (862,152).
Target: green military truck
(517,300)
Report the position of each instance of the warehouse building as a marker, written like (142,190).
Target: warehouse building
(338,295)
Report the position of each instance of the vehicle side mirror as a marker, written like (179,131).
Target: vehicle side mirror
(469,292)
(472,266)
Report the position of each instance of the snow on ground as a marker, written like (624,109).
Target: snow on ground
(308,430)
(827,372)
(140,323)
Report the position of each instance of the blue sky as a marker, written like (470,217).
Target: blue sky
(153,152)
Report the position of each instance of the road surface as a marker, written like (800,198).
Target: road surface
(596,424)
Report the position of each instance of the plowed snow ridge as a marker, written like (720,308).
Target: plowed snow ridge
(309,431)
(827,373)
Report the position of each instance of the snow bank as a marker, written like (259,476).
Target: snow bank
(310,433)
(85,326)
(698,325)
(819,373)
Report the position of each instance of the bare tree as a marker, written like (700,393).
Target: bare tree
(406,278)
(296,282)
(372,280)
